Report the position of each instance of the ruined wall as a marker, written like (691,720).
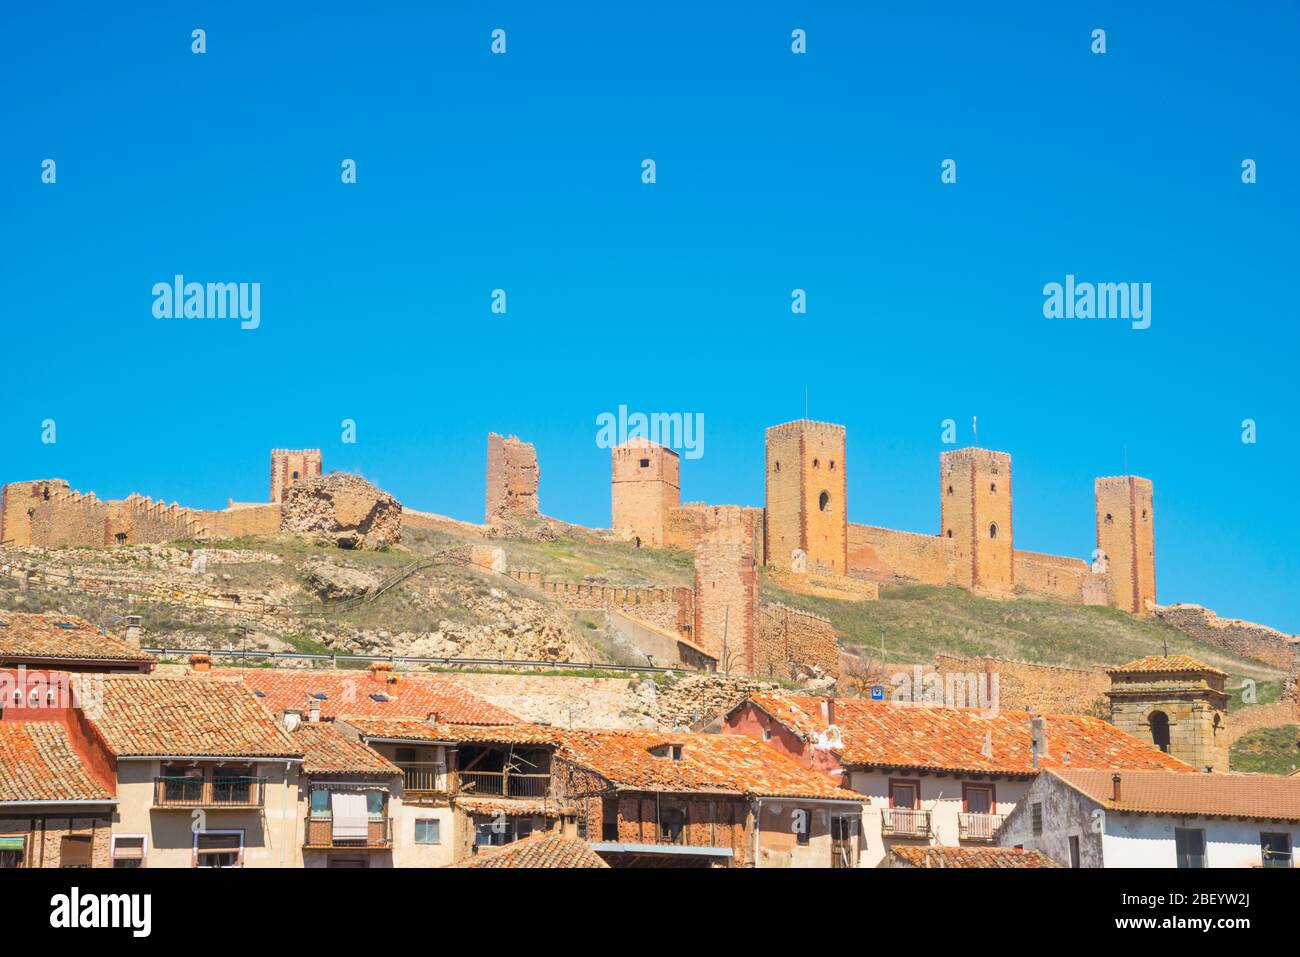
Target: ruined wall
(1231,634)
(884,553)
(975,513)
(512,477)
(726,589)
(669,608)
(645,486)
(1126,533)
(1065,579)
(806,503)
(292,465)
(790,642)
(1025,686)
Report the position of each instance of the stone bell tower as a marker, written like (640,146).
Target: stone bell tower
(1175,703)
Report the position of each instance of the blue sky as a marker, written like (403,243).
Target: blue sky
(775,172)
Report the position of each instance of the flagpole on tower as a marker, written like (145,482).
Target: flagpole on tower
(975,425)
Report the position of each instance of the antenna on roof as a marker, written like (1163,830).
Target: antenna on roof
(975,427)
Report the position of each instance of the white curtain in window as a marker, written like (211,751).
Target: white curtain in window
(351,821)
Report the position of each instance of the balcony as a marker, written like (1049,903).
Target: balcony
(979,827)
(423,777)
(210,793)
(500,784)
(904,822)
(318,832)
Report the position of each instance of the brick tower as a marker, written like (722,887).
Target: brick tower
(975,512)
(1177,704)
(645,486)
(512,478)
(1126,534)
(806,503)
(291,465)
(726,587)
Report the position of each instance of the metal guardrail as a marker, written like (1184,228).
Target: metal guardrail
(165,650)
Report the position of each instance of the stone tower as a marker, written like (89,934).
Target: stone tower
(645,486)
(1126,534)
(1177,704)
(512,478)
(975,512)
(726,587)
(806,506)
(291,465)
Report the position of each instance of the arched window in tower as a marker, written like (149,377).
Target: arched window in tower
(1109,518)
(993,530)
(950,533)
(817,463)
(824,500)
(776,466)
(1159,722)
(949,489)
(295,475)
(993,487)
(832,465)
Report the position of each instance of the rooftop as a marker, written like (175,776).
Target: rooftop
(709,764)
(1167,664)
(891,735)
(411,729)
(540,850)
(38,763)
(25,635)
(327,750)
(368,694)
(938,856)
(1264,797)
(190,716)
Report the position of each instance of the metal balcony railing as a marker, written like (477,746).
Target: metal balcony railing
(978,826)
(904,822)
(190,792)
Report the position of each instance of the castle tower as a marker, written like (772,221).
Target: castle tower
(1175,703)
(1126,534)
(807,505)
(292,465)
(645,486)
(512,478)
(975,512)
(726,587)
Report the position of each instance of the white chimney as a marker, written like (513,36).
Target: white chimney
(314,713)
(292,719)
(133,630)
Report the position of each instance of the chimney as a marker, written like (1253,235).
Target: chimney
(1114,787)
(828,710)
(313,714)
(432,718)
(292,719)
(382,671)
(200,662)
(133,630)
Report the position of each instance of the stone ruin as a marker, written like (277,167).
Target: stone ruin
(343,509)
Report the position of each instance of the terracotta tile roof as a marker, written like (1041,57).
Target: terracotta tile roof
(1265,797)
(327,750)
(25,636)
(885,734)
(709,764)
(510,807)
(182,716)
(410,729)
(938,856)
(366,693)
(38,763)
(1157,664)
(540,850)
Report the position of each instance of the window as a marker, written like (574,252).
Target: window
(128,851)
(428,830)
(1074,851)
(320,803)
(376,801)
(12,851)
(219,849)
(74,851)
(767,732)
(672,825)
(645,463)
(804,833)
(1275,849)
(903,794)
(1110,520)
(977,798)
(950,533)
(609,819)
(1036,816)
(993,530)
(993,488)
(949,489)
(1159,722)
(823,500)
(832,465)
(776,466)
(1189,846)
(816,463)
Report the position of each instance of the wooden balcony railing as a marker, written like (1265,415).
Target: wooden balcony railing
(499,784)
(976,826)
(424,776)
(192,792)
(904,822)
(319,832)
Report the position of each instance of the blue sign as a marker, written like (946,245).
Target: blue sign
(877,692)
